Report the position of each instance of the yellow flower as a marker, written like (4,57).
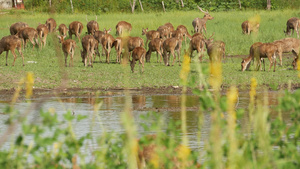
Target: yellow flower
(215,79)
(185,67)
(29,84)
(253,88)
(183,152)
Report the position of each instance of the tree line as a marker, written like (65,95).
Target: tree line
(104,6)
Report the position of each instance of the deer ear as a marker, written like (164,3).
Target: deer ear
(109,29)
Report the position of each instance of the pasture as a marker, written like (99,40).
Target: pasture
(47,63)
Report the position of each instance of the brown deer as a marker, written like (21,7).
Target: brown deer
(249,27)
(164,31)
(92,26)
(200,23)
(51,24)
(119,47)
(76,29)
(170,46)
(107,42)
(28,33)
(14,28)
(152,34)
(292,24)
(246,62)
(177,34)
(89,44)
(266,50)
(138,54)
(184,32)
(170,28)
(63,29)
(123,27)
(288,45)
(197,43)
(10,43)
(42,31)
(215,49)
(68,47)
(155,45)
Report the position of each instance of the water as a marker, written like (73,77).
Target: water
(168,105)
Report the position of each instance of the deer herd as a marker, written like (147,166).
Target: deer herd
(166,41)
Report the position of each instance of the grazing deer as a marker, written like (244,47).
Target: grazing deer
(164,31)
(76,29)
(123,27)
(89,44)
(68,47)
(42,31)
(197,43)
(184,32)
(28,33)
(107,42)
(138,54)
(266,50)
(170,46)
(10,43)
(51,24)
(150,34)
(215,49)
(92,26)
(292,24)
(155,45)
(248,27)
(14,28)
(246,62)
(200,23)
(63,29)
(289,45)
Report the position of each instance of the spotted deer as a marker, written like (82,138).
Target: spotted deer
(63,29)
(199,24)
(292,24)
(246,62)
(266,50)
(42,31)
(107,42)
(10,43)
(51,24)
(68,47)
(89,44)
(152,34)
(123,27)
(76,29)
(30,34)
(197,43)
(184,32)
(287,45)
(170,46)
(215,49)
(92,26)
(155,45)
(249,27)
(14,28)
(138,54)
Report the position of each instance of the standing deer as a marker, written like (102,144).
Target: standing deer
(119,47)
(164,31)
(248,27)
(63,29)
(68,47)
(200,23)
(266,50)
(123,27)
(42,31)
(197,43)
(246,62)
(155,45)
(289,45)
(14,28)
(89,44)
(107,42)
(98,35)
(215,49)
(10,43)
(138,54)
(76,29)
(184,32)
(51,24)
(152,34)
(170,46)
(128,44)
(92,26)
(28,33)
(170,28)
(292,24)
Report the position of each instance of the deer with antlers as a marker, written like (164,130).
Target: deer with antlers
(292,24)
(10,43)
(200,23)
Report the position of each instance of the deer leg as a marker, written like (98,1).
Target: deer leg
(174,57)
(15,56)
(71,57)
(19,48)
(66,56)
(6,58)
(109,49)
(178,53)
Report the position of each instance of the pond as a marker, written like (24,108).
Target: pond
(168,105)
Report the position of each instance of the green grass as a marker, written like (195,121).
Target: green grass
(50,72)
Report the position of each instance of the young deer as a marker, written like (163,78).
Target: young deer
(197,43)
(14,28)
(200,23)
(138,54)
(215,49)
(170,46)
(246,62)
(248,27)
(92,26)
(10,43)
(292,24)
(155,45)
(51,24)
(28,33)
(150,34)
(76,29)
(68,47)
(170,28)
(107,42)
(164,31)
(123,27)
(184,31)
(266,50)
(119,47)
(89,44)
(98,35)
(63,29)
(42,32)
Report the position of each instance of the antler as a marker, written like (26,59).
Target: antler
(202,9)
(211,35)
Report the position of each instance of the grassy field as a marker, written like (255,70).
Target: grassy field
(47,64)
